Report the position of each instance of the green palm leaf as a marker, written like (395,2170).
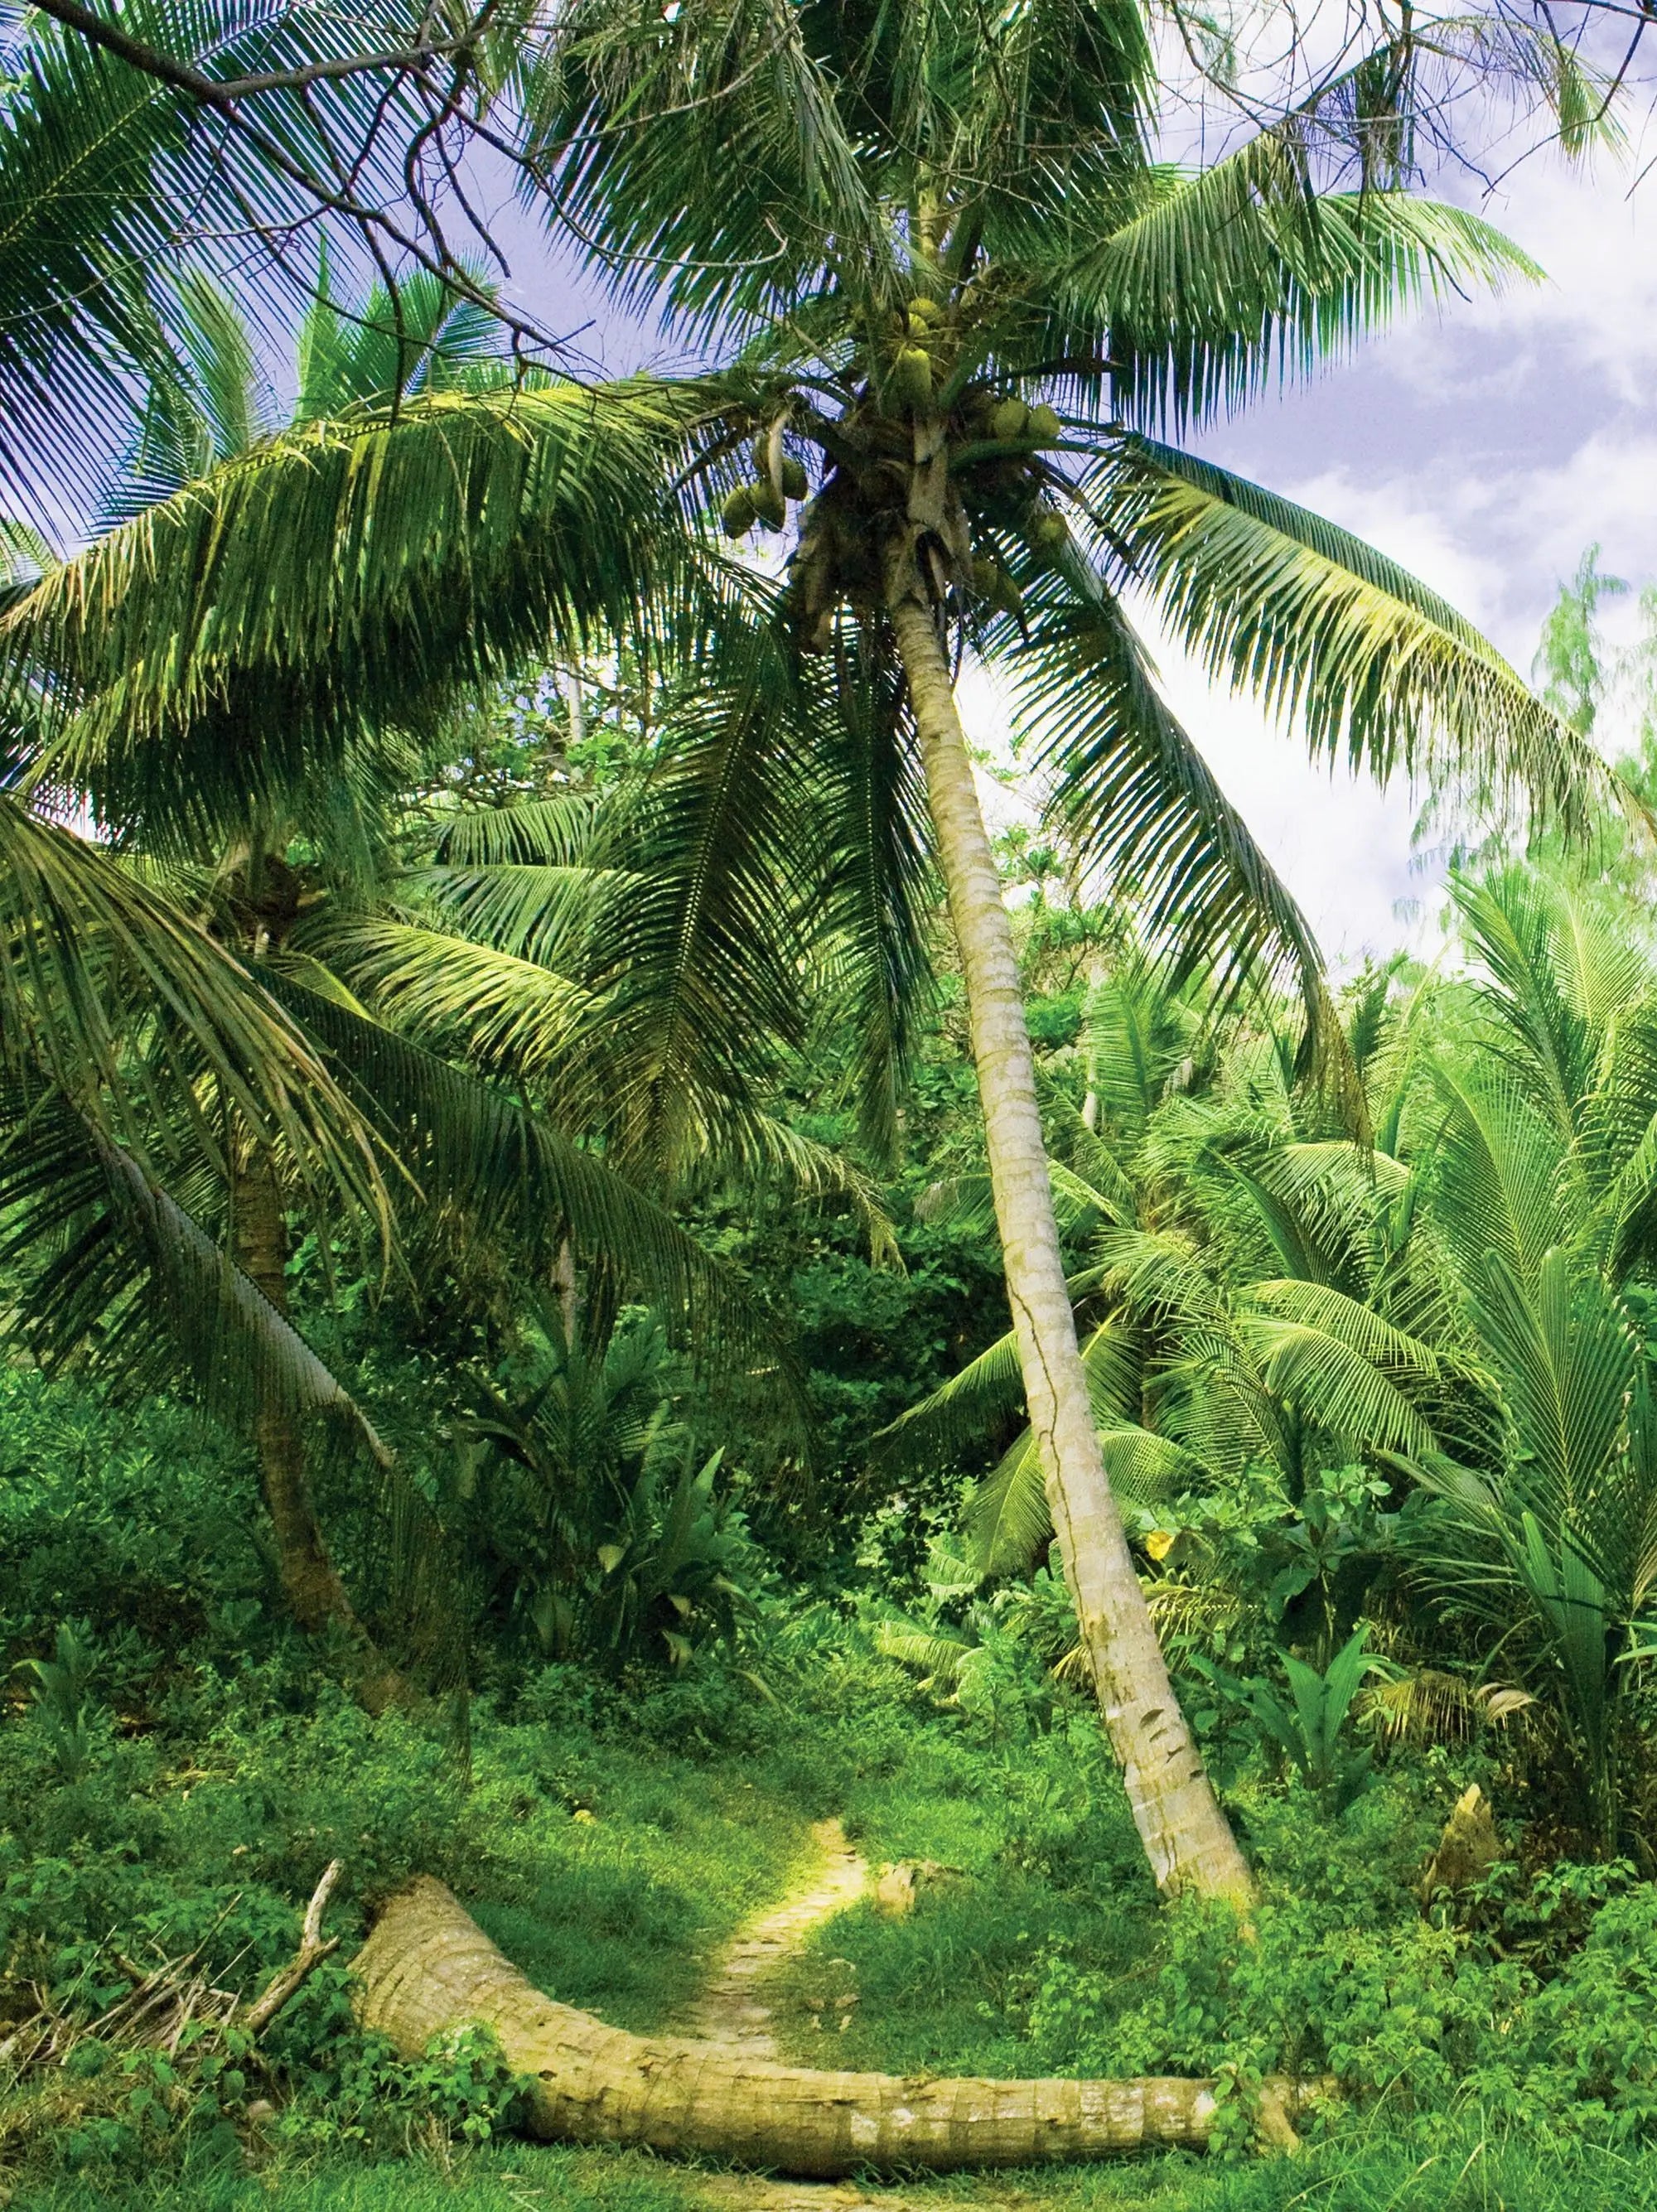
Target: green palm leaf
(227,640)
(1329,1379)
(1143,809)
(492,1167)
(1324,630)
(1228,279)
(133,1272)
(94,962)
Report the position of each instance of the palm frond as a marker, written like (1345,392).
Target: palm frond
(509,1015)
(489,1163)
(112,182)
(1229,279)
(1332,1381)
(133,1272)
(225,641)
(1330,635)
(1141,808)
(93,962)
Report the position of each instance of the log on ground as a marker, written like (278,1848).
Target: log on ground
(427,1968)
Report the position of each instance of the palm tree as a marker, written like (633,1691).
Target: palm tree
(899,229)
(1539,1129)
(179,1210)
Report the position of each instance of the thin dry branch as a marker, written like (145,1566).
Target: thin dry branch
(285,1983)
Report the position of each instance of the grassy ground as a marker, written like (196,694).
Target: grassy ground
(611,1865)
(1456,2166)
(611,1873)
(1032,1845)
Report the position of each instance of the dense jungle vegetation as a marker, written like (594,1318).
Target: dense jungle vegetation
(593,1272)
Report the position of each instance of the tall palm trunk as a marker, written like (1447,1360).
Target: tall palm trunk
(1185,1835)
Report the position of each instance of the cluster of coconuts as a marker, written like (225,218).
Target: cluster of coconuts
(765,501)
(912,364)
(1010,422)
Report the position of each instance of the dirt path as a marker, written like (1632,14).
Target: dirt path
(731,2010)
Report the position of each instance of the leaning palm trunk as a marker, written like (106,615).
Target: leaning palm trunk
(428,1969)
(1186,1837)
(311,1582)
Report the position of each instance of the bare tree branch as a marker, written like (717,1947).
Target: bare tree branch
(285,1983)
(223,92)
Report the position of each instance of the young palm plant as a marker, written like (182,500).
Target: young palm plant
(1251,1302)
(952,294)
(1540,1161)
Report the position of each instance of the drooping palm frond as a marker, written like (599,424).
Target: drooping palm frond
(1143,809)
(870,860)
(111,181)
(1399,1355)
(486,1162)
(132,1274)
(1330,635)
(514,1016)
(92,964)
(628,133)
(226,643)
(1350,1395)
(701,953)
(1229,279)
(530,911)
(555,832)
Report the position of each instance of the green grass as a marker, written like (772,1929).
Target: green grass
(611,1873)
(1036,1847)
(1459,2164)
(609,1863)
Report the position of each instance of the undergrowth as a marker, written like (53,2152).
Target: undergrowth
(168,1799)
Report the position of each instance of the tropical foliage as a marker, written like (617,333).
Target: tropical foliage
(568,1216)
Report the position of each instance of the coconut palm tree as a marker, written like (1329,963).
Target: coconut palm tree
(179,1211)
(950,297)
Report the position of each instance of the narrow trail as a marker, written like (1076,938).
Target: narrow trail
(731,2010)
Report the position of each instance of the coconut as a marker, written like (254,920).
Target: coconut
(1045,426)
(795,485)
(738,513)
(1050,531)
(1008,419)
(912,374)
(769,505)
(922,310)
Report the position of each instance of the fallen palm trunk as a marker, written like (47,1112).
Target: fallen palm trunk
(429,1967)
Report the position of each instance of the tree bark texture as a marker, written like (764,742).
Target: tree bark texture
(311,1582)
(1185,1835)
(427,1968)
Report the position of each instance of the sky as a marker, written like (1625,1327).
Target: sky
(1483,444)
(1484,447)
